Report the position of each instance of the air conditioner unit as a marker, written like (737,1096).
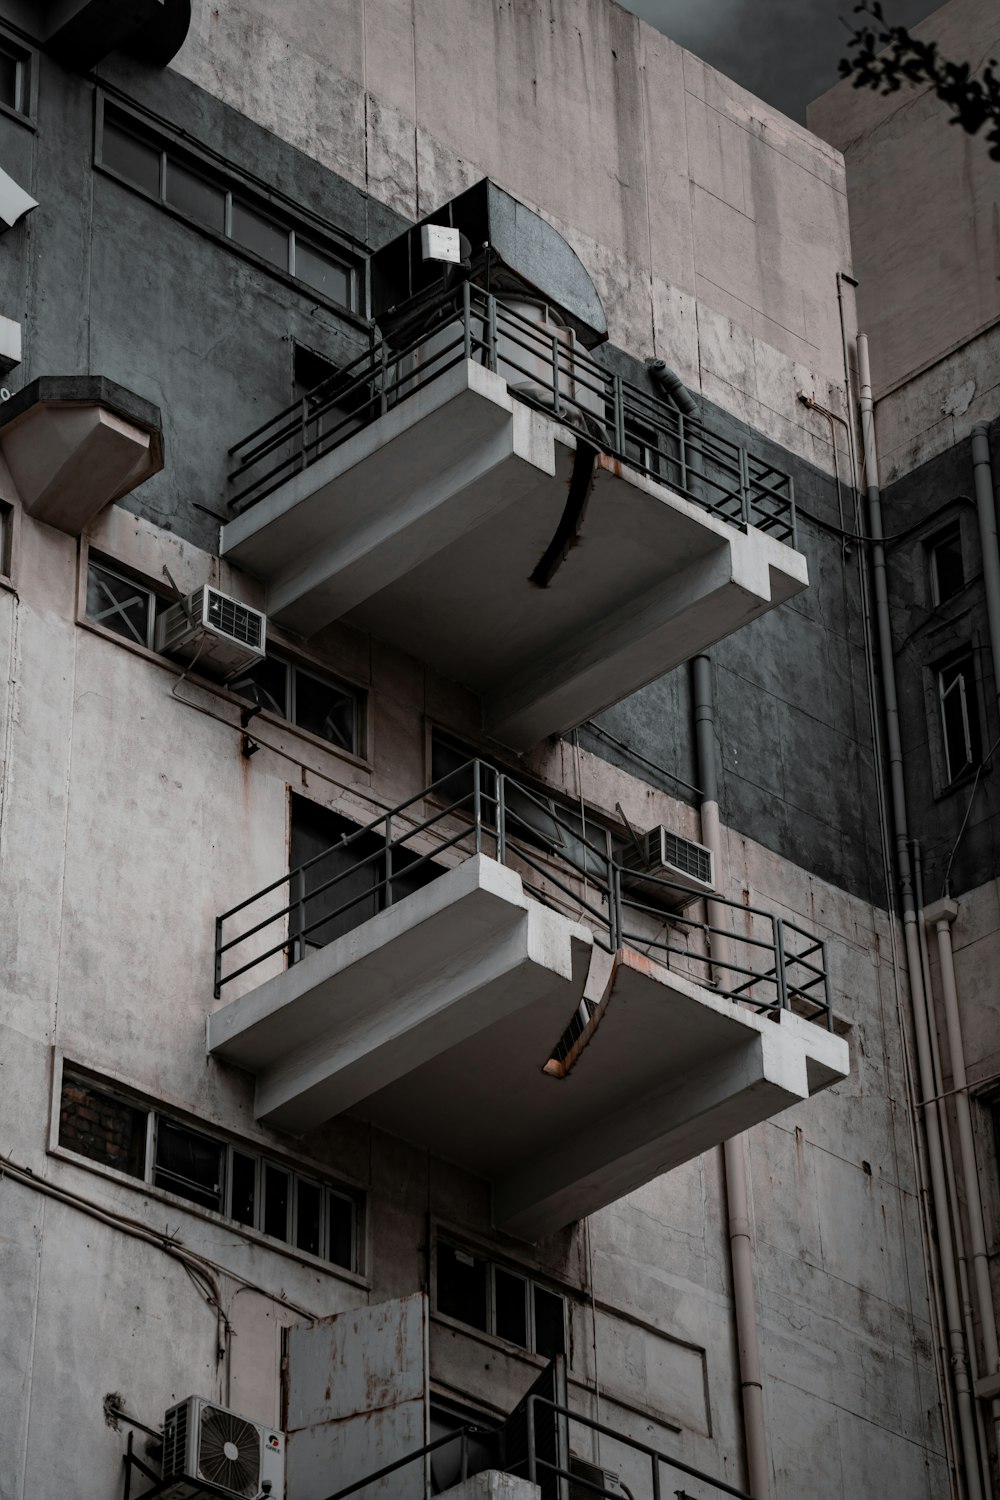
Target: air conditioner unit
(595,1481)
(669,870)
(223,635)
(203,1443)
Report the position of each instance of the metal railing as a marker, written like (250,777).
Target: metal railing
(536,1466)
(542,368)
(770,963)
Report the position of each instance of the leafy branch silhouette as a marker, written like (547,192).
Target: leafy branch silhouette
(885,57)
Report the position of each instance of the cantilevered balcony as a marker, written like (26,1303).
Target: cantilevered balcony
(472,973)
(483,494)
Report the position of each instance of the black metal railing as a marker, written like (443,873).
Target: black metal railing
(542,368)
(740,951)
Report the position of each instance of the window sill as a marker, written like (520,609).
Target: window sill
(254,1236)
(217,690)
(28,121)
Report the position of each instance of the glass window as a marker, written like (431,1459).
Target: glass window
(963,745)
(258,233)
(243,1202)
(266,684)
(308,1215)
(326,710)
(101,1127)
(319,270)
(550,1323)
(134,158)
(511,1301)
(120,605)
(341,1236)
(946,566)
(188,1164)
(195,196)
(276,1195)
(10,80)
(462,1286)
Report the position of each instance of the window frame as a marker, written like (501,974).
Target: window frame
(932,545)
(969,690)
(10,527)
(66,1071)
(532,1281)
(26,84)
(189,155)
(124,575)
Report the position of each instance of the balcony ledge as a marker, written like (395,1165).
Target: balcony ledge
(436,1021)
(424,528)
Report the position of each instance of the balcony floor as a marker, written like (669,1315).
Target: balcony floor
(424,529)
(436,1020)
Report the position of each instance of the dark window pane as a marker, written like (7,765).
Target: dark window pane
(188,1164)
(260,234)
(195,196)
(276,1186)
(265,683)
(244,1190)
(321,271)
(9,91)
(118,605)
(461,1286)
(325,710)
(511,1293)
(550,1323)
(351,872)
(947,569)
(308,1215)
(341,1238)
(133,158)
(102,1128)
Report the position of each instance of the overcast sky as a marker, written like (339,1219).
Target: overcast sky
(785,51)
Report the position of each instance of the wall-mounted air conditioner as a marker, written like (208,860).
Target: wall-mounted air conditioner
(668,870)
(593,1480)
(204,1442)
(221,634)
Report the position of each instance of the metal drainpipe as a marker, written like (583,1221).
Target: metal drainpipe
(986,510)
(941,915)
(932,1119)
(734,1151)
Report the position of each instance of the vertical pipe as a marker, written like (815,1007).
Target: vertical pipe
(941,915)
(734,1151)
(986,511)
(890,705)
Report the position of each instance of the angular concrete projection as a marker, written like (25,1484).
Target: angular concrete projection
(73,444)
(437,1019)
(425,527)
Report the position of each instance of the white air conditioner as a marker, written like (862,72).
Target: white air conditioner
(668,870)
(204,1442)
(221,634)
(595,1481)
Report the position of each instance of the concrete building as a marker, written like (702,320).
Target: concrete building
(448,926)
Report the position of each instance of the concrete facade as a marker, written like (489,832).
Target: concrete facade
(714,231)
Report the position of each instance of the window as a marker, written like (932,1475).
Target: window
(332,710)
(963,744)
(944,561)
(109,1127)
(499,1301)
(15,78)
(6,538)
(120,604)
(211,198)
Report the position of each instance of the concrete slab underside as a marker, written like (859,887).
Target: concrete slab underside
(435,1021)
(424,530)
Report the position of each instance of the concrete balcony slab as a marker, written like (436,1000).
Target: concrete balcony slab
(437,1020)
(426,526)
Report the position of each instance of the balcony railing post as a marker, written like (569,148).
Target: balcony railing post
(682,450)
(383,379)
(299,943)
(501,820)
(744,485)
(614,906)
(826,987)
(618,397)
(491,332)
(477,804)
(463,1457)
(303,424)
(388,859)
(779,962)
(530,1421)
(218,957)
(467,320)
(655,1463)
(556,395)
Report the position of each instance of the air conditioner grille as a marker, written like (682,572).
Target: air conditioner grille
(685,855)
(234,619)
(229,1452)
(175,1429)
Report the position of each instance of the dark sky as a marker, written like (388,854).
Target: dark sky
(785,51)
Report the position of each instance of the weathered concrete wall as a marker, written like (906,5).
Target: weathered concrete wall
(922,207)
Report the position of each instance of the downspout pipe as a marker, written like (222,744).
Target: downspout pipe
(940,916)
(987,513)
(734,1151)
(932,1119)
